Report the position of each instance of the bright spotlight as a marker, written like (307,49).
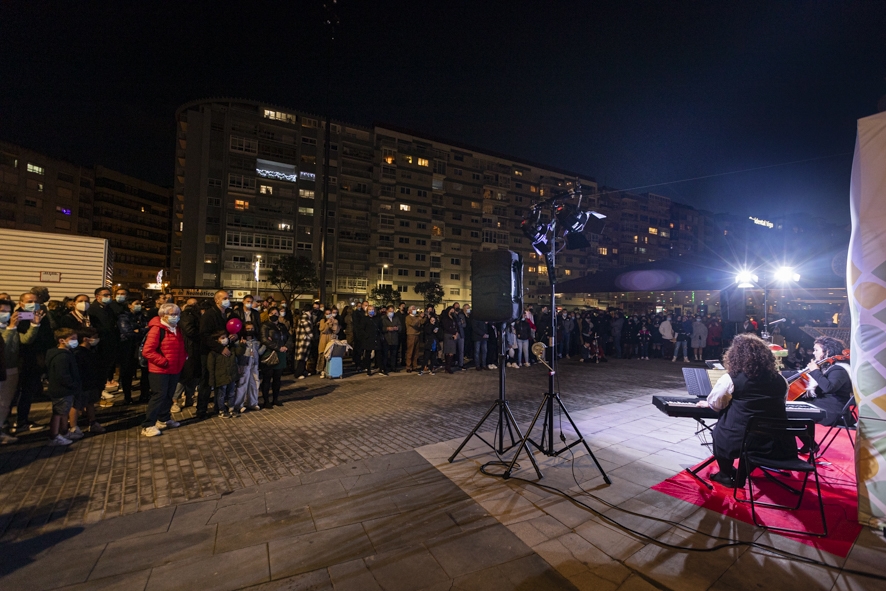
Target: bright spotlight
(786,274)
(745,279)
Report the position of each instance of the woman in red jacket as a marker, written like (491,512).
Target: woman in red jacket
(164,350)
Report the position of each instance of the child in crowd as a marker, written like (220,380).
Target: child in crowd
(64,383)
(223,375)
(92,383)
(644,337)
(247,362)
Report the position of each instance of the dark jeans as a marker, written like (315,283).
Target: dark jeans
(162,390)
(30,387)
(270,382)
(366,356)
(128,367)
(204,391)
(480,352)
(390,358)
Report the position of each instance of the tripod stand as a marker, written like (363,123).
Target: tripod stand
(551,396)
(506,419)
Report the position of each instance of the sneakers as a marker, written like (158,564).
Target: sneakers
(226,415)
(59,440)
(7,439)
(673,360)
(151,432)
(526,364)
(107,395)
(492,366)
(175,408)
(421,373)
(74,434)
(301,377)
(256,407)
(685,360)
(322,374)
(96,428)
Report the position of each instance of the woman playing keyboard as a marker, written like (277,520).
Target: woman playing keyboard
(751,387)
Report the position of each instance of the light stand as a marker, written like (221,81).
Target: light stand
(545,243)
(505,417)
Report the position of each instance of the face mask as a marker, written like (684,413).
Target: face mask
(283,305)
(4,317)
(223,341)
(136,308)
(328,316)
(412,313)
(390,315)
(106,300)
(73,344)
(273,317)
(172,320)
(247,305)
(372,313)
(94,342)
(31,307)
(226,304)
(82,306)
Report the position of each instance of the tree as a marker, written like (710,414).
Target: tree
(385,295)
(431,292)
(294,276)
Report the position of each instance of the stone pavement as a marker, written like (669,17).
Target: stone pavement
(323,423)
(408,520)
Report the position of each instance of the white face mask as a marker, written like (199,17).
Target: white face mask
(30,307)
(82,306)
(223,341)
(73,344)
(4,317)
(226,304)
(247,305)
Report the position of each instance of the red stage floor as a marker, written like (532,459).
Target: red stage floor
(837,488)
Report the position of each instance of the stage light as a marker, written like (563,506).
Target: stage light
(785,274)
(745,279)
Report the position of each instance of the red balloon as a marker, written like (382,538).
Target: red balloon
(234,325)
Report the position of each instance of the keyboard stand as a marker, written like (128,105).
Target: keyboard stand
(694,471)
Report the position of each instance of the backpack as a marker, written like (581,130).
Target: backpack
(141,358)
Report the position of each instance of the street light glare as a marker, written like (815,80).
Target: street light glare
(745,279)
(786,274)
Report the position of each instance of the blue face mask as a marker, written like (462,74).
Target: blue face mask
(31,307)
(372,313)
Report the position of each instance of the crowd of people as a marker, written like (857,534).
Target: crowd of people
(228,359)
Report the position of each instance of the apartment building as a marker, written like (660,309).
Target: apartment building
(45,194)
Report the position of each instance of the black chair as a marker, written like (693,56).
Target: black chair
(762,429)
(848,420)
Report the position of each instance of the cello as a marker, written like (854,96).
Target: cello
(800,383)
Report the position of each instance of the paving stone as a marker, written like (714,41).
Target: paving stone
(304,495)
(406,570)
(264,528)
(353,576)
(126,582)
(227,571)
(154,550)
(321,549)
(65,567)
(476,549)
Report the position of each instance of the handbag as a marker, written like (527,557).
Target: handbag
(269,358)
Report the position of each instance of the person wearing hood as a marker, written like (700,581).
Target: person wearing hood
(164,350)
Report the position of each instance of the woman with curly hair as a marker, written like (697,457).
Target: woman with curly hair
(829,388)
(751,387)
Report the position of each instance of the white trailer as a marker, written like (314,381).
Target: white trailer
(63,263)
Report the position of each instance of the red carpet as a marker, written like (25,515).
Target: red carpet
(837,489)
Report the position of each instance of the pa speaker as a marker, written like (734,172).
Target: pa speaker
(733,306)
(496,286)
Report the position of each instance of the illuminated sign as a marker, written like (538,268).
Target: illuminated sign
(760,222)
(273,174)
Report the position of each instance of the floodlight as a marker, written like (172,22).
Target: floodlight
(785,274)
(745,279)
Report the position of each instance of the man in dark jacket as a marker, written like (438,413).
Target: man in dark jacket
(391,328)
(212,322)
(366,333)
(32,357)
(191,372)
(104,320)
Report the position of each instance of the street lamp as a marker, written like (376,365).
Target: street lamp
(782,275)
(383,267)
(257,267)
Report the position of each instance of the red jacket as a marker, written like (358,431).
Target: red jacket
(170,356)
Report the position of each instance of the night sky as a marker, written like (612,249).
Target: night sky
(631,93)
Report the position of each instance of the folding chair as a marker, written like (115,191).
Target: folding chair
(762,428)
(848,419)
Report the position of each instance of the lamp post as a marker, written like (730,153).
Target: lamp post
(257,268)
(383,267)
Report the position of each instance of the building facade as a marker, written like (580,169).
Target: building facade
(45,194)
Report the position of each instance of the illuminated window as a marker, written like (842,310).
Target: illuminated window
(404,207)
(423,162)
(454,291)
(532,269)
(567,272)
(211,239)
(653,231)
(266,189)
(387,154)
(542,269)
(635,239)
(35,169)
(603,251)
(306,193)
(436,231)
(306,210)
(407,158)
(518,173)
(62,210)
(280,116)
(283,226)
(241,205)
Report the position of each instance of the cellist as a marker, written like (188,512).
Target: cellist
(829,388)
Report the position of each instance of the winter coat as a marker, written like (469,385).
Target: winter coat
(104,320)
(62,373)
(329,330)
(130,326)
(750,399)
(413,325)
(715,334)
(304,336)
(433,335)
(13,340)
(222,370)
(391,337)
(666,330)
(212,322)
(274,336)
(699,334)
(166,357)
(478,330)
(523,330)
(89,366)
(366,332)
(189,326)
